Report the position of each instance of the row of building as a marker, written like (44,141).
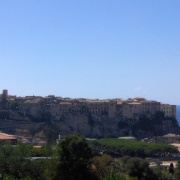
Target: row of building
(57,106)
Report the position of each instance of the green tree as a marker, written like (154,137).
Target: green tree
(136,168)
(74,157)
(177,170)
(103,165)
(171,168)
(15,164)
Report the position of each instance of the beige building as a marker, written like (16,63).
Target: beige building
(130,108)
(169,110)
(57,106)
(150,106)
(32,107)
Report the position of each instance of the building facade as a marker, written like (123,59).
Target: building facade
(55,107)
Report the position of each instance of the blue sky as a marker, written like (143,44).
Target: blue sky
(91,49)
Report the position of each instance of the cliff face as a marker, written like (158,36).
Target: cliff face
(92,118)
(103,126)
(94,125)
(178,113)
(90,125)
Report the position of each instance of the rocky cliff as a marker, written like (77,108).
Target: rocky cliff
(95,126)
(91,125)
(103,126)
(178,113)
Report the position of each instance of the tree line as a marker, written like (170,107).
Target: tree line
(74,159)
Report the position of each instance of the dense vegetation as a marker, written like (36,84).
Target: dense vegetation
(16,164)
(148,123)
(128,168)
(120,147)
(73,159)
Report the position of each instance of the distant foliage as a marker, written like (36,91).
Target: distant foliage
(127,168)
(136,169)
(15,164)
(120,147)
(148,121)
(103,165)
(73,159)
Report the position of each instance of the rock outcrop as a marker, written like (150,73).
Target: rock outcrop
(94,125)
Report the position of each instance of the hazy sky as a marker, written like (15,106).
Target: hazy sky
(91,48)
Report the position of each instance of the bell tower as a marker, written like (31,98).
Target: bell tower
(5,94)
(4,97)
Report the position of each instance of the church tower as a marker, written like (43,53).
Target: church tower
(5,94)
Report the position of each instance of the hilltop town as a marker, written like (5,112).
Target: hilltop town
(57,106)
(90,117)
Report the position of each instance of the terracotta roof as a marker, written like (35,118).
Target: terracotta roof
(4,136)
(32,101)
(176,145)
(149,101)
(134,103)
(97,101)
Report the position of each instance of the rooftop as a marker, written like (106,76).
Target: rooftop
(4,136)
